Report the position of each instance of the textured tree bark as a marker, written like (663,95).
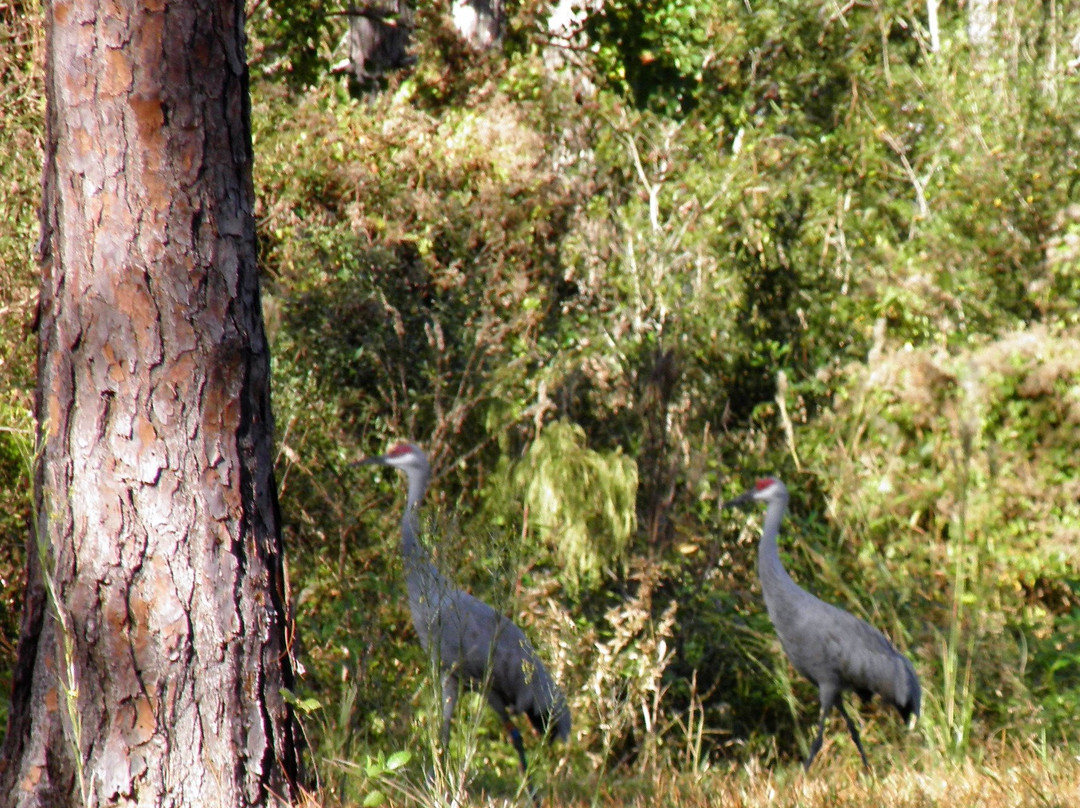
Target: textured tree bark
(153,651)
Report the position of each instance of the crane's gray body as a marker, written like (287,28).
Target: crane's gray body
(472,645)
(832,648)
(476,647)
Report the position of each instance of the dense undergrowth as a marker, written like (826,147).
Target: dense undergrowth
(607,298)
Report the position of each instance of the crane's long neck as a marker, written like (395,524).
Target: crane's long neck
(774,578)
(411,548)
(421,576)
(426,587)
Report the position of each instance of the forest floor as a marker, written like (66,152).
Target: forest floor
(1006,778)
(1009,782)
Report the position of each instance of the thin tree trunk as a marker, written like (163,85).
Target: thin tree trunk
(378,42)
(479,22)
(153,651)
(981,20)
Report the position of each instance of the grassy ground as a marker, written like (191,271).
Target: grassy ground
(1007,782)
(1010,781)
(1007,777)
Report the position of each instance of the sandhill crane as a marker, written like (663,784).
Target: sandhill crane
(832,648)
(471,644)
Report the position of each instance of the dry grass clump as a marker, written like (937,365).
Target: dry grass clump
(1011,781)
(1015,778)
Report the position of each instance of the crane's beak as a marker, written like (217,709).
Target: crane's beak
(379,460)
(740,500)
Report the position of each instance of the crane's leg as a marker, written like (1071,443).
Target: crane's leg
(449,702)
(519,745)
(510,729)
(828,696)
(853,730)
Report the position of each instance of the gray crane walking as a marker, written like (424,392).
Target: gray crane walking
(832,648)
(471,644)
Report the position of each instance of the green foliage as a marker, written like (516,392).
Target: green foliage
(17,458)
(22,107)
(418,277)
(22,110)
(510,274)
(655,51)
(294,40)
(579,501)
(961,471)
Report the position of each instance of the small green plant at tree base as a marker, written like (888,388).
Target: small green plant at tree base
(382,775)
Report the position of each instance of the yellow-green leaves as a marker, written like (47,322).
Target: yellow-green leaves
(580,501)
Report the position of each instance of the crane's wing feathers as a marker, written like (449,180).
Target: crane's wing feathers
(863,660)
(488,652)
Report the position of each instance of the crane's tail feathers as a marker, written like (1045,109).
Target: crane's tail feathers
(554,725)
(912,705)
(549,713)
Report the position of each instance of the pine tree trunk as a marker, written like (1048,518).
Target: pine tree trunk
(153,651)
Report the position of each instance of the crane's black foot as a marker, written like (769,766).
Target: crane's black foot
(815,747)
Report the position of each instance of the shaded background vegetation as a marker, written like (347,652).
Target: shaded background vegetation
(608,284)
